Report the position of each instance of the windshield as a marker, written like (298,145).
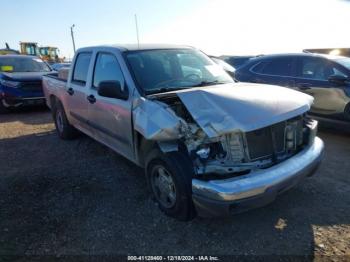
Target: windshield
(173,69)
(22,64)
(344,62)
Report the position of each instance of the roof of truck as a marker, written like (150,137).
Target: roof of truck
(135,47)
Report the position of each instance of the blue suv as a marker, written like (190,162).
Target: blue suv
(20,81)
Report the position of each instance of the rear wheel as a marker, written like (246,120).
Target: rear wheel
(170,179)
(64,129)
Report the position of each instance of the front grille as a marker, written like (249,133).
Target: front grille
(31,86)
(259,143)
(271,141)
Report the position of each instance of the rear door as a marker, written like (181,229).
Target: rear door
(76,92)
(312,75)
(110,117)
(275,71)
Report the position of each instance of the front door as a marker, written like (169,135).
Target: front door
(110,117)
(312,78)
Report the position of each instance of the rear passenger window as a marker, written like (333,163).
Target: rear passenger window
(81,68)
(277,67)
(107,69)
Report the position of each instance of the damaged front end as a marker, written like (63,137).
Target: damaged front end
(218,144)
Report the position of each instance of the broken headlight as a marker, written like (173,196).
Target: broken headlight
(226,150)
(233,145)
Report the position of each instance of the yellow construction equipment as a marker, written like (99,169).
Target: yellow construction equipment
(29,48)
(50,54)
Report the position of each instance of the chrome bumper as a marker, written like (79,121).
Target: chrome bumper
(258,182)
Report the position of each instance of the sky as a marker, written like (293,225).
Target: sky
(218,27)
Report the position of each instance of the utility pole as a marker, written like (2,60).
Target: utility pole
(72,34)
(137,32)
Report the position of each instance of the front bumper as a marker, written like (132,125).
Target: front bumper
(258,188)
(14,97)
(11,102)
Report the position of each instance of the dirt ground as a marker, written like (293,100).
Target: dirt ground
(78,197)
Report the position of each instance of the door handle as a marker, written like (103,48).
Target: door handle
(70,91)
(91,99)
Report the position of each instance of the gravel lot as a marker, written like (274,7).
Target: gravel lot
(78,197)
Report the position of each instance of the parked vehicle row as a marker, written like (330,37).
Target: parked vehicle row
(209,146)
(326,78)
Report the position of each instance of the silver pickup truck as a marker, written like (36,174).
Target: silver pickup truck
(209,146)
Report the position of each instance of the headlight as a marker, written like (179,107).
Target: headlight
(233,145)
(9,83)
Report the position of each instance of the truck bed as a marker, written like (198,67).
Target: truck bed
(53,85)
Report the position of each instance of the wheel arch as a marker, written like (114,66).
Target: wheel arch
(143,147)
(52,101)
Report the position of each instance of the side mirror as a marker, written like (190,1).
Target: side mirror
(338,79)
(112,89)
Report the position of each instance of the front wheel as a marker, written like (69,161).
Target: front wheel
(64,129)
(170,178)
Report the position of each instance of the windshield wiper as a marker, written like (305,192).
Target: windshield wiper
(169,89)
(164,90)
(209,83)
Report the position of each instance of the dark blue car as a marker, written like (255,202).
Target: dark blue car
(326,78)
(20,81)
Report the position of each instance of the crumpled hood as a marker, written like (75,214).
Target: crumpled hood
(24,76)
(242,107)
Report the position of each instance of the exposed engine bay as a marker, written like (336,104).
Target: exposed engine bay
(227,131)
(233,153)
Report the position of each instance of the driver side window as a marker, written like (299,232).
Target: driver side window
(107,69)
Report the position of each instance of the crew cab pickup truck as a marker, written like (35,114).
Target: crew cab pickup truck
(209,146)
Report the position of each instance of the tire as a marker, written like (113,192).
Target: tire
(64,129)
(177,169)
